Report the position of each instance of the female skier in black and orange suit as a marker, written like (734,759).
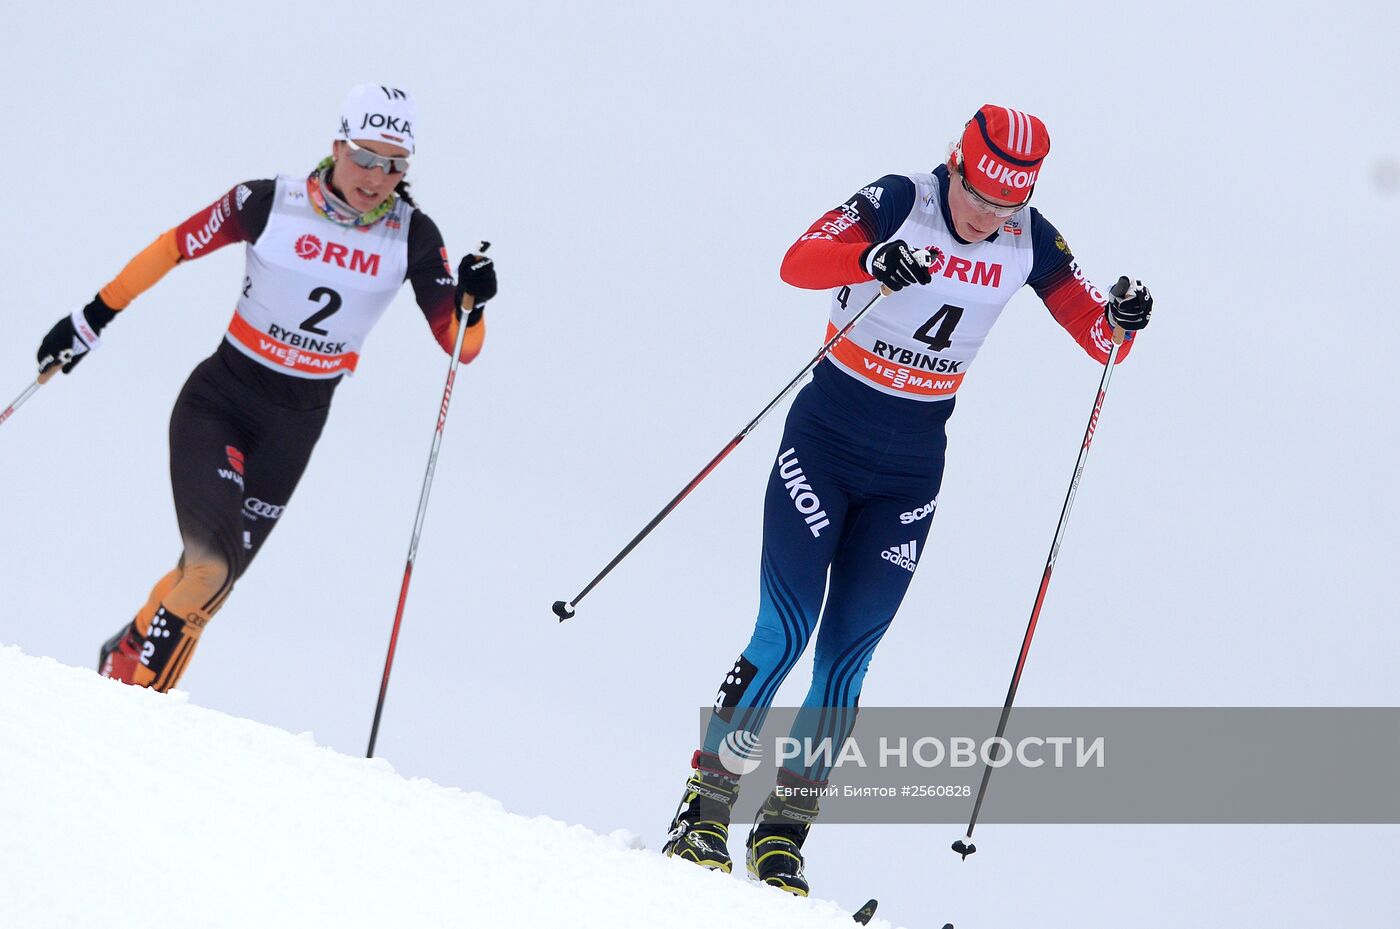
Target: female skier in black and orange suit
(326,254)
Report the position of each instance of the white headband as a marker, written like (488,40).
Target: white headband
(379,113)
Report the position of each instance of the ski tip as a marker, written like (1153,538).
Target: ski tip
(563,610)
(864,914)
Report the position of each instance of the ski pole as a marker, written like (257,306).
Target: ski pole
(418,520)
(40,381)
(960,846)
(28,392)
(565,609)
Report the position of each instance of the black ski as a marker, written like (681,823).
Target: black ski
(864,914)
(867,912)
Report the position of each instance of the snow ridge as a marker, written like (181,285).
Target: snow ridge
(123,807)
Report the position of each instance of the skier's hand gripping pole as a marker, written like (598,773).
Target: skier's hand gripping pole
(63,347)
(465,309)
(964,845)
(565,609)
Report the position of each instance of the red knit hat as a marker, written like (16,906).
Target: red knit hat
(1000,152)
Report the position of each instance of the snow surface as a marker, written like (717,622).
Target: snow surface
(640,172)
(122,807)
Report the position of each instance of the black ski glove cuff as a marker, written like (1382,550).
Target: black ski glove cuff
(98,314)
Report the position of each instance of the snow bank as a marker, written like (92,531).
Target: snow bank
(121,807)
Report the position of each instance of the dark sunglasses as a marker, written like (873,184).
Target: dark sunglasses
(367,159)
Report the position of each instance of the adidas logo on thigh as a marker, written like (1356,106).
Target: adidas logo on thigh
(906,555)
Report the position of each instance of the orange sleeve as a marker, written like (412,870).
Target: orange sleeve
(471,342)
(471,345)
(142,272)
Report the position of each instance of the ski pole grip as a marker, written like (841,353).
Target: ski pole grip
(47,375)
(481,248)
(1118,291)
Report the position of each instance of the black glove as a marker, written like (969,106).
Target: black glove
(894,265)
(1130,306)
(73,336)
(476,275)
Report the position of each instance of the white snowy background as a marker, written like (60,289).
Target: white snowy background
(640,170)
